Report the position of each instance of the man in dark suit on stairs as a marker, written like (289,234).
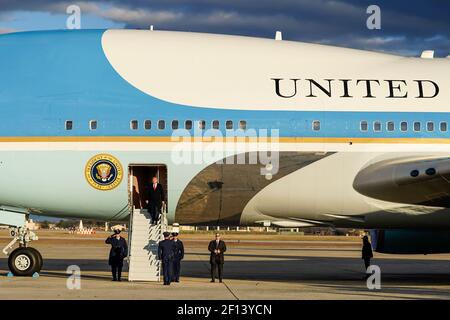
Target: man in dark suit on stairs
(155,200)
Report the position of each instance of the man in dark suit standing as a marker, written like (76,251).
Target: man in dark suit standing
(367,254)
(179,255)
(217,248)
(155,200)
(166,253)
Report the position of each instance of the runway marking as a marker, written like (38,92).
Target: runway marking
(229,289)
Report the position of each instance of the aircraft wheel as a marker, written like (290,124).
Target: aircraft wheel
(39,257)
(24,262)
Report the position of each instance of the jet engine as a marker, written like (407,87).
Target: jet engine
(410,241)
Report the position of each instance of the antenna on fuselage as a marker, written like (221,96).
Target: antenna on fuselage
(427,54)
(278,35)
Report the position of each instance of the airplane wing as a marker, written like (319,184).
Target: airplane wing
(411,180)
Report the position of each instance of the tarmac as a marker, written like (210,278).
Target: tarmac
(255,268)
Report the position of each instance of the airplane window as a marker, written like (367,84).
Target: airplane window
(229,124)
(404,126)
(414,173)
(93,125)
(161,124)
(443,126)
(416,126)
(69,125)
(377,126)
(430,126)
(175,124)
(188,124)
(243,124)
(316,125)
(215,124)
(147,124)
(390,126)
(133,124)
(363,126)
(202,124)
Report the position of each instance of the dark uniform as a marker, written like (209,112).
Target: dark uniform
(178,256)
(155,199)
(366,252)
(118,252)
(166,253)
(217,259)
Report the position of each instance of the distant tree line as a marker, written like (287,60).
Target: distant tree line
(71,223)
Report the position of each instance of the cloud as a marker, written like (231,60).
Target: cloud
(407,26)
(61,6)
(3,31)
(140,17)
(408,46)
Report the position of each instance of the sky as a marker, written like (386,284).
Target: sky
(407,27)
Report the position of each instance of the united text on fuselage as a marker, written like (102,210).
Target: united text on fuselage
(359,88)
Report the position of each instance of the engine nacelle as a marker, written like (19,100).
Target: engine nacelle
(410,241)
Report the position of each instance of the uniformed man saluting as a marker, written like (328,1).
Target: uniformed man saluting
(166,253)
(179,255)
(118,252)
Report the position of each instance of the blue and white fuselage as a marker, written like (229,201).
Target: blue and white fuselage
(351,128)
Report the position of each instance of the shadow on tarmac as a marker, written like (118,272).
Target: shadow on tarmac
(280,269)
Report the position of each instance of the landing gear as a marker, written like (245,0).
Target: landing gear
(23,261)
(39,258)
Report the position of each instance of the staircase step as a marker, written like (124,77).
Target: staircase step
(142,251)
(142,222)
(140,232)
(142,255)
(136,253)
(144,239)
(142,278)
(145,274)
(145,246)
(145,268)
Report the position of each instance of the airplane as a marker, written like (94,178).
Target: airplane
(240,131)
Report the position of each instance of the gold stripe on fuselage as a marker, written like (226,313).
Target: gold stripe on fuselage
(228,139)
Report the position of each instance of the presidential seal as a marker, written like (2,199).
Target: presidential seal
(103,172)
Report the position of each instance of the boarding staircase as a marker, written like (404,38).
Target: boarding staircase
(143,245)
